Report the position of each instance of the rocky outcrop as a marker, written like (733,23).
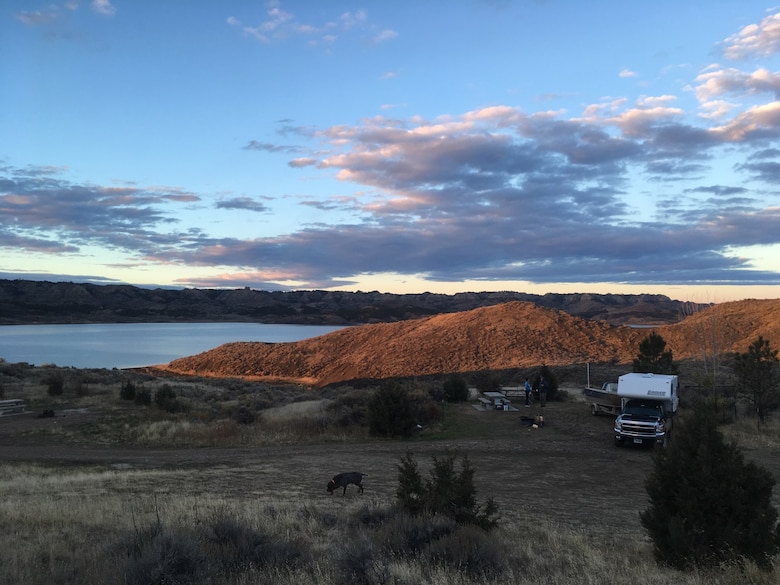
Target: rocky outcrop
(25,301)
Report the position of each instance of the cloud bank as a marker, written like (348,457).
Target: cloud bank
(621,191)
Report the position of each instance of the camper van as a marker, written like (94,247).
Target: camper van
(648,403)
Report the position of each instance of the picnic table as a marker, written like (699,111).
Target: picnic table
(498,399)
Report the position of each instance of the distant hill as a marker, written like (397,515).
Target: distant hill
(510,335)
(27,302)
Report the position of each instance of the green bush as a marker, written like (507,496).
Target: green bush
(127,390)
(143,396)
(708,506)
(455,388)
(243,415)
(757,372)
(390,412)
(55,383)
(165,398)
(446,492)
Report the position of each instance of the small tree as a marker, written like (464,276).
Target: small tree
(707,505)
(165,398)
(653,358)
(55,383)
(127,391)
(756,371)
(455,388)
(446,492)
(410,493)
(143,396)
(390,412)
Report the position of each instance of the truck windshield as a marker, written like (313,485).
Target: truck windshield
(641,410)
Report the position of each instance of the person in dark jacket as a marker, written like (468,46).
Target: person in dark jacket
(544,385)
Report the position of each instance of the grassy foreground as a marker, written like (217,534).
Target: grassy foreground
(215,523)
(98,525)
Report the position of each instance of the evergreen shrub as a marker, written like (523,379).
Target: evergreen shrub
(708,506)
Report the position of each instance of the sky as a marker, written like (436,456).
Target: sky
(404,147)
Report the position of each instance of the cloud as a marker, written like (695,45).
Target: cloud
(760,40)
(384,36)
(302,162)
(39,209)
(627,73)
(243,203)
(103,7)
(715,83)
(281,25)
(272,148)
(625,191)
(37,17)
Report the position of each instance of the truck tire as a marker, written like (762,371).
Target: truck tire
(593,410)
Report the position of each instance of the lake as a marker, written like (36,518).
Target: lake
(128,345)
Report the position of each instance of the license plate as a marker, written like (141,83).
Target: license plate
(638,441)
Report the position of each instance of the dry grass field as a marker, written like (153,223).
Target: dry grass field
(108,491)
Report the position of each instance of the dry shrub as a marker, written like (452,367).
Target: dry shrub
(157,556)
(234,546)
(350,408)
(359,562)
(470,550)
(407,534)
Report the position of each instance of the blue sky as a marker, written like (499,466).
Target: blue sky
(538,146)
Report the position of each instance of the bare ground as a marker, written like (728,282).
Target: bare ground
(569,469)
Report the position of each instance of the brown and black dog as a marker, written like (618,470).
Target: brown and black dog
(342,480)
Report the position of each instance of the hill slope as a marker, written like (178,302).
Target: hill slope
(510,335)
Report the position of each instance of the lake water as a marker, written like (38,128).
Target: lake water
(128,345)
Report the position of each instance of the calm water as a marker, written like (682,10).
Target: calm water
(127,345)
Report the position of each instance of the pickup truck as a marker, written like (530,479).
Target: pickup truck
(648,405)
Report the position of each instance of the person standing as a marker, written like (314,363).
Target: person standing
(543,387)
(528,396)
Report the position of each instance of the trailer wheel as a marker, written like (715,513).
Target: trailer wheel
(593,410)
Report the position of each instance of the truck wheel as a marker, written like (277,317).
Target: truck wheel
(593,410)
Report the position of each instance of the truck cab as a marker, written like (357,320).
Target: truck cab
(642,422)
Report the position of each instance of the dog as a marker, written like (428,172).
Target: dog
(342,480)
